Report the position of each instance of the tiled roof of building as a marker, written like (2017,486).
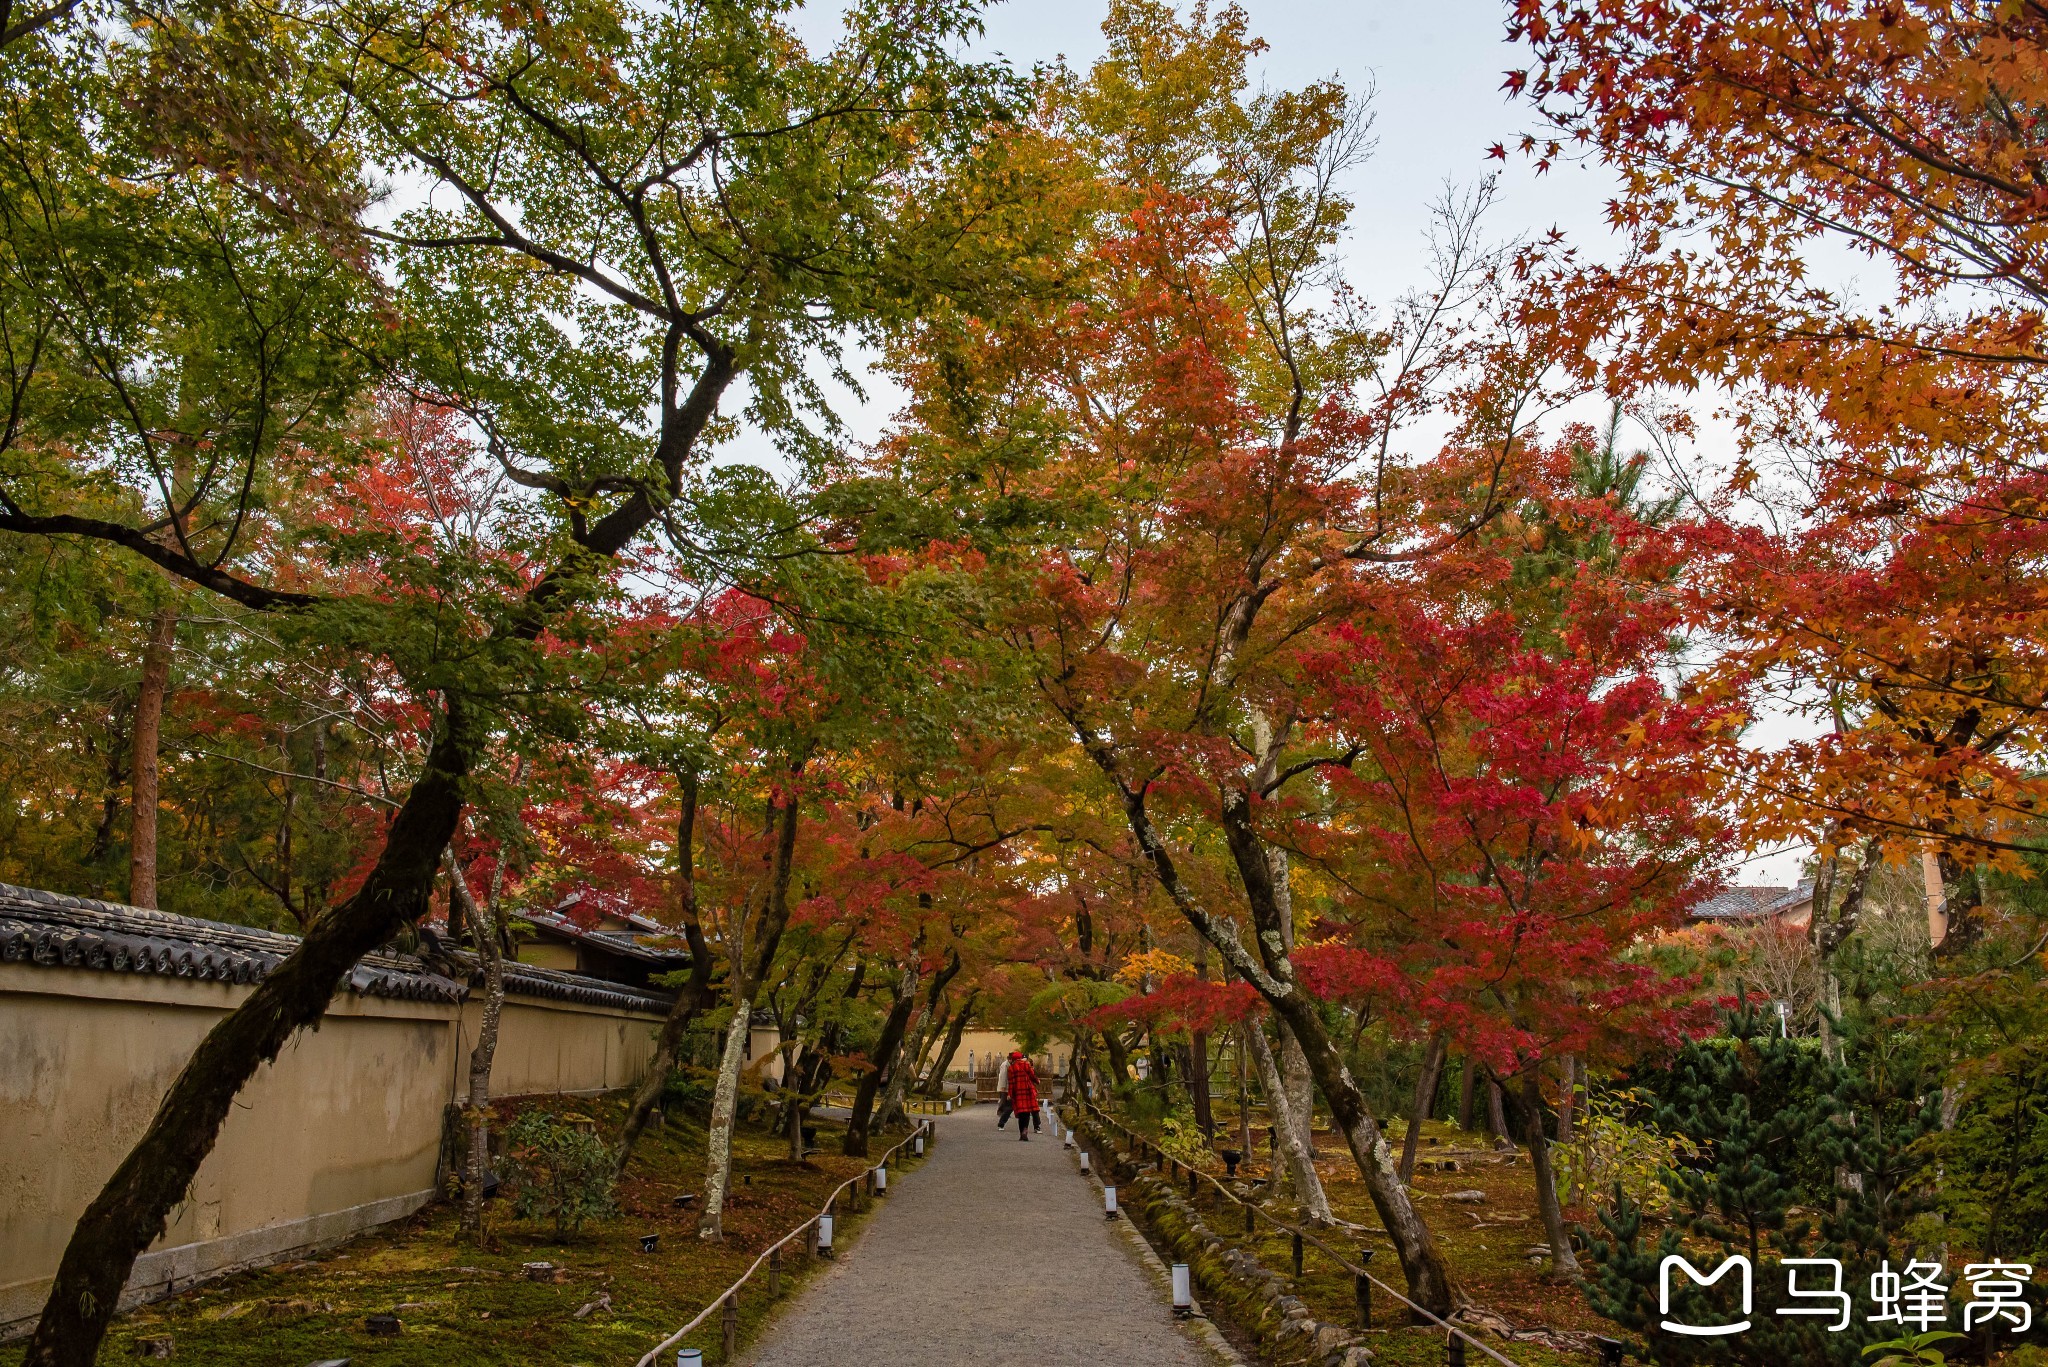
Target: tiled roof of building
(1752,904)
(648,941)
(59,931)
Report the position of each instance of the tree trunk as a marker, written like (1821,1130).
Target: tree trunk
(817,1068)
(477,1105)
(1430,1281)
(1568,1099)
(682,1013)
(1964,903)
(1244,1098)
(724,1106)
(143,767)
(903,1067)
(1496,1120)
(1301,1089)
(936,1028)
(905,1071)
(696,992)
(1198,1057)
(1465,1096)
(935,1080)
(1119,1060)
(748,972)
(1300,1084)
(130,1210)
(1293,1143)
(1425,1102)
(795,1112)
(886,1047)
(1564,1265)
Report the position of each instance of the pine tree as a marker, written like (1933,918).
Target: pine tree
(1776,1122)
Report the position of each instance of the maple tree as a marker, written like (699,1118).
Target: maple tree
(1506,812)
(1895,595)
(1874,559)
(1216,426)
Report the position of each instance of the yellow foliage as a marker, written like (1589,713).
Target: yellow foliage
(1157,962)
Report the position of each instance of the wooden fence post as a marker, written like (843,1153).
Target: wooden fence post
(732,1325)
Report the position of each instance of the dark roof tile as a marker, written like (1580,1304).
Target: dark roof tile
(55,930)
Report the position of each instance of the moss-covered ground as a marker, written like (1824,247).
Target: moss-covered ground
(1486,1241)
(465,1305)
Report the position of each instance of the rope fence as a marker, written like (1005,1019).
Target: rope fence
(728,1301)
(1299,1237)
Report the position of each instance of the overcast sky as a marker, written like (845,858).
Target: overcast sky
(1435,67)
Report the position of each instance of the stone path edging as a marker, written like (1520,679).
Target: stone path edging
(1199,1324)
(1263,1307)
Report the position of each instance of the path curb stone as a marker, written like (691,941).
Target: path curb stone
(1258,1300)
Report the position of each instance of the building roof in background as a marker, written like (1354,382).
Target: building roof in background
(1753,904)
(648,941)
(54,930)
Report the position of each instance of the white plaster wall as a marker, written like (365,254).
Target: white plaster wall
(340,1133)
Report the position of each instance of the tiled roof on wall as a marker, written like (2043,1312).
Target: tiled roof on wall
(552,984)
(59,931)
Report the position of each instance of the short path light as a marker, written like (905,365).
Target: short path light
(1610,1351)
(824,1236)
(1109,1203)
(689,1357)
(881,1181)
(918,1147)
(650,1243)
(1183,1294)
(1084,1162)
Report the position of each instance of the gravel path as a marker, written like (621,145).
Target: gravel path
(993,1251)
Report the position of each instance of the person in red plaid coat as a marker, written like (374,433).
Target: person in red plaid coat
(1023,1094)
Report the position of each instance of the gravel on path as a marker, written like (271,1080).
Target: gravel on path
(994,1251)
